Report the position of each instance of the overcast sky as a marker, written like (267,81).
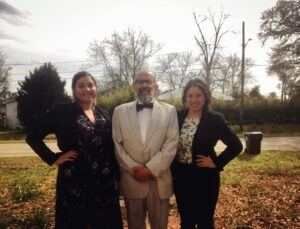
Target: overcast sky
(36,31)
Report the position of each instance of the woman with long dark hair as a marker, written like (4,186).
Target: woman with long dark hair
(86,195)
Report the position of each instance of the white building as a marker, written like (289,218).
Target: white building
(178,93)
(11,113)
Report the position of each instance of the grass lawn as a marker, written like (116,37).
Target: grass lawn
(17,136)
(267,129)
(257,192)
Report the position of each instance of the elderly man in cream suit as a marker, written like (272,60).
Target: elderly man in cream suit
(145,133)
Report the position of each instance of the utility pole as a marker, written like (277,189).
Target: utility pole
(242,79)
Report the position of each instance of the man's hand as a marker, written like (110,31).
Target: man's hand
(141,173)
(71,155)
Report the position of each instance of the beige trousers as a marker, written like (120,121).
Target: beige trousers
(158,210)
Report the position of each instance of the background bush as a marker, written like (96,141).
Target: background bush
(116,98)
(259,111)
(256,110)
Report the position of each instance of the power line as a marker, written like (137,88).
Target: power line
(63,62)
(84,61)
(74,61)
(196,64)
(40,63)
(99,77)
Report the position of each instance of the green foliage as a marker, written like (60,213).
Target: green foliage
(176,102)
(257,108)
(116,98)
(281,23)
(295,99)
(12,135)
(24,190)
(270,129)
(38,93)
(259,111)
(3,224)
(255,93)
(38,219)
(125,95)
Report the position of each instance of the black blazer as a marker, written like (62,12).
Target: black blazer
(212,127)
(61,120)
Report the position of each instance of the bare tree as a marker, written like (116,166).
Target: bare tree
(4,76)
(209,45)
(121,56)
(228,76)
(175,69)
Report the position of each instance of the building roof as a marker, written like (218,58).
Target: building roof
(178,93)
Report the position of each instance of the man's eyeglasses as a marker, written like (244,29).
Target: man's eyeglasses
(142,82)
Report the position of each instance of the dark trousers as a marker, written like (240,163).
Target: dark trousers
(196,192)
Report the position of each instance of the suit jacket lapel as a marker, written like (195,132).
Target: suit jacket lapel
(201,125)
(155,119)
(134,123)
(181,117)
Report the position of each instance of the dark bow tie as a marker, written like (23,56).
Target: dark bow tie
(140,107)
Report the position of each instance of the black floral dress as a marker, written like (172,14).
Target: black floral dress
(86,188)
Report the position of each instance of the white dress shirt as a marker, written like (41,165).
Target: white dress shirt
(144,118)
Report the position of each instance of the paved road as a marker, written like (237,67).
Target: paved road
(268,143)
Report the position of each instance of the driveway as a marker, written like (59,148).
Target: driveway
(268,143)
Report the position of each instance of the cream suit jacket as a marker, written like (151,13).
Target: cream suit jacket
(157,153)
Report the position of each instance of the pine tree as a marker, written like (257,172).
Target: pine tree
(38,93)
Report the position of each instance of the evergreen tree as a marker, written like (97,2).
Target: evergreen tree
(281,23)
(38,93)
(255,93)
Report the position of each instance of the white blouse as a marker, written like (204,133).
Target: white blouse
(186,136)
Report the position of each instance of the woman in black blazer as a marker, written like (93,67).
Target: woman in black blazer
(86,195)
(196,168)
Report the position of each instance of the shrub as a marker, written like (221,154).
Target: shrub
(176,102)
(256,111)
(259,111)
(116,98)
(38,219)
(24,189)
